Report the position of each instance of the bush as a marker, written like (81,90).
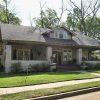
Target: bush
(1,68)
(40,67)
(15,67)
(45,67)
(93,65)
(84,65)
(97,66)
(37,68)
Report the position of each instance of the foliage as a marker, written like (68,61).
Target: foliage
(15,67)
(73,20)
(1,67)
(92,27)
(92,65)
(48,19)
(6,16)
(40,67)
(83,18)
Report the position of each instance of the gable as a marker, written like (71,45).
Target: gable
(60,33)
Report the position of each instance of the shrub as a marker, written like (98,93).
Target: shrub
(84,65)
(15,67)
(97,66)
(1,67)
(36,68)
(93,65)
(40,67)
(45,67)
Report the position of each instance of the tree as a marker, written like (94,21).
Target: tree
(83,18)
(73,21)
(93,27)
(6,16)
(48,19)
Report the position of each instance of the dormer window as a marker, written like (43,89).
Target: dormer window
(61,36)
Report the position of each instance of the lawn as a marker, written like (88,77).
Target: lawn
(11,80)
(95,71)
(45,92)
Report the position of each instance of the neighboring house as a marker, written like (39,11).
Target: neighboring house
(29,45)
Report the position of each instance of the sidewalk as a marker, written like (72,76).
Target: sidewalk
(42,86)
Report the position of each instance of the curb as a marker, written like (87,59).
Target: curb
(66,94)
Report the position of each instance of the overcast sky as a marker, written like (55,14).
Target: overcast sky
(27,9)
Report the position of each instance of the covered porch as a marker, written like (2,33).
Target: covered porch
(69,58)
(42,53)
(25,54)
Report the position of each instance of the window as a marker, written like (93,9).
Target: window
(19,55)
(23,54)
(61,36)
(67,55)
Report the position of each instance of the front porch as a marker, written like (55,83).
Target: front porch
(70,58)
(40,53)
(26,55)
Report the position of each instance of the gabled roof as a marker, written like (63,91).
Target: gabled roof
(22,33)
(55,28)
(68,30)
(26,33)
(81,39)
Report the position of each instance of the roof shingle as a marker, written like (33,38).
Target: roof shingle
(27,33)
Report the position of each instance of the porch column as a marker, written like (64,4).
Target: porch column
(79,56)
(49,53)
(7,58)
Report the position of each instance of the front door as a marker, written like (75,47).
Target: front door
(57,57)
(67,55)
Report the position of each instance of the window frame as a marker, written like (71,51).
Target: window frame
(23,54)
(62,36)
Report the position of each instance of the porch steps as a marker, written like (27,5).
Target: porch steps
(68,67)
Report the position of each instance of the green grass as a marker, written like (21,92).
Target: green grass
(98,71)
(95,71)
(11,80)
(45,92)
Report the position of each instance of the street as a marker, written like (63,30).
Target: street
(89,96)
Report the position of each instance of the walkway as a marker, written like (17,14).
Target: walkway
(42,86)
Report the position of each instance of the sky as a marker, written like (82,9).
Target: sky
(28,9)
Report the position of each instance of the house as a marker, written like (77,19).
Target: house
(29,45)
